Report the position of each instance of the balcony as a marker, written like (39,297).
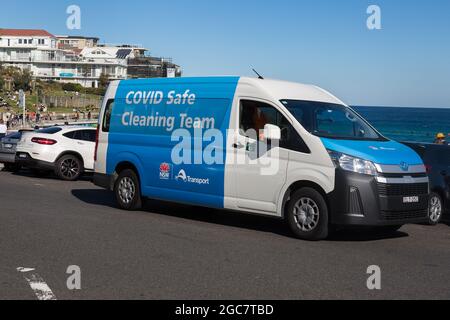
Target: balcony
(62,60)
(74,75)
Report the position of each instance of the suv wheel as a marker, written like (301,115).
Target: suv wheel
(128,191)
(435,209)
(307,215)
(69,168)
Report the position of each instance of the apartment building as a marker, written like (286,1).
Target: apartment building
(73,59)
(76,42)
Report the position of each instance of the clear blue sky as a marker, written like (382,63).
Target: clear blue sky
(326,43)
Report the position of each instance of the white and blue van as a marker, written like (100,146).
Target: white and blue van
(258,146)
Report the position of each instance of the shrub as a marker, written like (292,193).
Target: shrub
(72,87)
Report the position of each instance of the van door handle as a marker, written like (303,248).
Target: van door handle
(238,145)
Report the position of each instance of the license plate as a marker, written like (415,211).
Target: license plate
(7,146)
(411,200)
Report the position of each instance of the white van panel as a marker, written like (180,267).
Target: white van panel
(102,149)
(266,194)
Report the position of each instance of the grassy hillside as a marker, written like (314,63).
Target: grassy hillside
(57,97)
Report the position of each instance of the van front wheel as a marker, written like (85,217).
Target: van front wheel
(128,191)
(307,215)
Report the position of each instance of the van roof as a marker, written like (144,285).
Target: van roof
(268,88)
(286,90)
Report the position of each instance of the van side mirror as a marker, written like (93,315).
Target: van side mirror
(272,132)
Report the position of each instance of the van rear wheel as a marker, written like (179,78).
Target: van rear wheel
(128,191)
(307,215)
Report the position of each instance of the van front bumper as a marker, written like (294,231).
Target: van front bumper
(362,200)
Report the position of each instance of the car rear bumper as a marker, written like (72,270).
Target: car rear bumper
(360,200)
(24,159)
(7,157)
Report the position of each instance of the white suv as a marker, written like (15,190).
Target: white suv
(68,151)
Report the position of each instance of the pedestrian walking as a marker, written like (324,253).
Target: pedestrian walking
(3,129)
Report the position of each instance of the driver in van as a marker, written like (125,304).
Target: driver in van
(258,119)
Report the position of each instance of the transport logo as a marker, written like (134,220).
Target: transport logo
(181,176)
(164,171)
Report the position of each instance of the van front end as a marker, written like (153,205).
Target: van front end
(372,194)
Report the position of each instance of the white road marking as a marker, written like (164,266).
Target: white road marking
(37,284)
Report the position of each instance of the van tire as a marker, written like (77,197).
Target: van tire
(69,168)
(435,209)
(128,191)
(307,215)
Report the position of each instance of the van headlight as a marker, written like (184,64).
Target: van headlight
(353,164)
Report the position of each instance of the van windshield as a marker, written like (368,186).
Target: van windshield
(330,120)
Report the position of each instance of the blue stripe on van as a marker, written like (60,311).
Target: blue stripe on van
(149,147)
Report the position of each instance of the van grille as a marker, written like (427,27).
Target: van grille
(400,215)
(408,189)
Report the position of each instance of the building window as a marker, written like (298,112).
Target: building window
(20,41)
(41,41)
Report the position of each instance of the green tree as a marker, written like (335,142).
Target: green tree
(22,80)
(2,79)
(103,80)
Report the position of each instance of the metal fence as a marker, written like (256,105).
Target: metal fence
(73,102)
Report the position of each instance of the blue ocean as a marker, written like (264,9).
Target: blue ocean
(408,124)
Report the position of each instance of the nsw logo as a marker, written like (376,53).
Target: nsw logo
(164,171)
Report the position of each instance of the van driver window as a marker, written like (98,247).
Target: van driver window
(254,115)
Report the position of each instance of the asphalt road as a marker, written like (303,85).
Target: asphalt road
(178,252)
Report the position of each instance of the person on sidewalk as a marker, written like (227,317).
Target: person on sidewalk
(440,139)
(3,129)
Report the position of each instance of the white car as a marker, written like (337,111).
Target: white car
(68,151)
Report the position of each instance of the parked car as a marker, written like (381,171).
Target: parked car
(437,161)
(8,146)
(68,151)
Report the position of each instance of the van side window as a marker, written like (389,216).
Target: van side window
(255,115)
(107,115)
